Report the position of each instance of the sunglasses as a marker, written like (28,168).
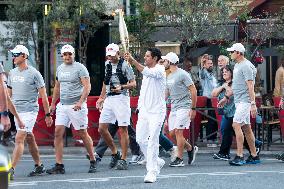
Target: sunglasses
(231,52)
(67,53)
(16,54)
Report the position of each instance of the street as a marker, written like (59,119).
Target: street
(205,173)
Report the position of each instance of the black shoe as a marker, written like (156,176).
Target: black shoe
(238,161)
(253,160)
(280,157)
(114,159)
(38,170)
(258,147)
(93,167)
(97,156)
(121,165)
(177,163)
(192,155)
(57,169)
(12,173)
(225,157)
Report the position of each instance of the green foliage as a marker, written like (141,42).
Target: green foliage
(141,25)
(83,16)
(196,20)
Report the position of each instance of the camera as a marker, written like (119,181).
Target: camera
(220,111)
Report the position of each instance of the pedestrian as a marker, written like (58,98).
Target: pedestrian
(244,98)
(25,83)
(208,83)
(115,103)
(183,97)
(227,112)
(72,86)
(279,80)
(152,110)
(5,121)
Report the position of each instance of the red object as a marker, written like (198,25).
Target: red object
(276,101)
(201,103)
(43,135)
(93,122)
(214,102)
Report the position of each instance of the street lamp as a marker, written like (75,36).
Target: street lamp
(45,52)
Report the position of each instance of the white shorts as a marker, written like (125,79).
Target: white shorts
(116,107)
(29,119)
(65,115)
(179,119)
(242,114)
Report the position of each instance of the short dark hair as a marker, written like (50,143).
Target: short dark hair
(155,52)
(188,58)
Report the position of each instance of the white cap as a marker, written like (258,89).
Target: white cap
(67,48)
(172,57)
(112,49)
(237,47)
(21,49)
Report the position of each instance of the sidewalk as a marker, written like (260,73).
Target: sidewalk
(71,150)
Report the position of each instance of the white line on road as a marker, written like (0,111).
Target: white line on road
(85,180)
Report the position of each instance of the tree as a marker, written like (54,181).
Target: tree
(81,17)
(195,20)
(23,28)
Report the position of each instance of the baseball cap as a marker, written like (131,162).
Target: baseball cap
(237,47)
(21,49)
(67,48)
(172,57)
(112,49)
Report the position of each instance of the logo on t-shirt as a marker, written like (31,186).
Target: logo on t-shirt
(17,79)
(65,75)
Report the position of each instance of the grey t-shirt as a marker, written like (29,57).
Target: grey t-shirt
(126,70)
(25,84)
(177,84)
(69,76)
(243,71)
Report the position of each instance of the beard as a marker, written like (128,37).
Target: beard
(210,69)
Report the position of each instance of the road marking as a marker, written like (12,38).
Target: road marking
(105,179)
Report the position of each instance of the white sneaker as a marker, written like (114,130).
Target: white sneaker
(174,153)
(142,161)
(134,159)
(150,177)
(161,163)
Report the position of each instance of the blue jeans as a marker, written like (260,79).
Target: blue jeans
(227,132)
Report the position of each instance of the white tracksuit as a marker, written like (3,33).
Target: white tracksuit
(152,111)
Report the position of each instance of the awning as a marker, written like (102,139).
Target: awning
(270,52)
(212,50)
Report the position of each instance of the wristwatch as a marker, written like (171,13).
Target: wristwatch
(5,113)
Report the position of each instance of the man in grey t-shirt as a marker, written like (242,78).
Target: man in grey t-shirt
(244,97)
(119,78)
(183,96)
(25,83)
(73,86)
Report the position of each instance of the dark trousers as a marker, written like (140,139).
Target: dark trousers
(227,131)
(113,128)
(164,141)
(212,125)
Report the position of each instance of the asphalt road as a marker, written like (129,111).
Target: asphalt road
(205,173)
